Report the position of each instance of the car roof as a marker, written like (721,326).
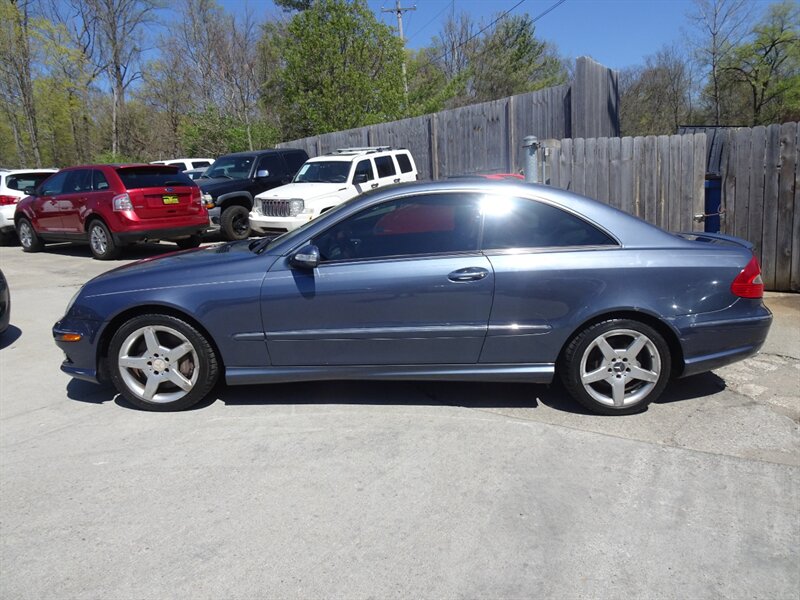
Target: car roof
(629,230)
(17,171)
(256,152)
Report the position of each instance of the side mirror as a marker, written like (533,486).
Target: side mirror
(263,173)
(305,258)
(360,178)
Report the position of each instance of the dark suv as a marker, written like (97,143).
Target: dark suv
(232,181)
(110,206)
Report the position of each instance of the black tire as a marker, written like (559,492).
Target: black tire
(189,243)
(198,366)
(616,367)
(101,242)
(235,223)
(28,238)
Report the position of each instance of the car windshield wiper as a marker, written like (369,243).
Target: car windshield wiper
(258,246)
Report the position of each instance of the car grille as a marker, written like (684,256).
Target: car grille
(275,208)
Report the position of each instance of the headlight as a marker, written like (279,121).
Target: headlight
(208,200)
(296,207)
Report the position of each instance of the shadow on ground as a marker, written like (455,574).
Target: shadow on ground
(421,393)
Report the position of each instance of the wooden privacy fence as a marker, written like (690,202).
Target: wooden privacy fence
(660,179)
(760,171)
(487,137)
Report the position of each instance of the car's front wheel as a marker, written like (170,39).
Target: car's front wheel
(162,363)
(101,242)
(618,366)
(235,222)
(28,238)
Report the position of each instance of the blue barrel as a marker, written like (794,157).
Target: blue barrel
(713,202)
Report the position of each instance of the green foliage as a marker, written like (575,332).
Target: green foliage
(212,134)
(341,69)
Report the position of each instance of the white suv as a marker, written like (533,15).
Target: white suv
(327,181)
(186,164)
(14,186)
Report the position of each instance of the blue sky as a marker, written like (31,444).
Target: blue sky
(617,33)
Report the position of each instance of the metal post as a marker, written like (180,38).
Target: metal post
(531,144)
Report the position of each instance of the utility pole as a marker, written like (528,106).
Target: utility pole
(399,10)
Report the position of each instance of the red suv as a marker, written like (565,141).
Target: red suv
(110,206)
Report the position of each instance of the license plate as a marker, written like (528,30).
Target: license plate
(170,199)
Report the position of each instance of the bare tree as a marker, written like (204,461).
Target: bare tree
(456,43)
(719,26)
(15,64)
(121,25)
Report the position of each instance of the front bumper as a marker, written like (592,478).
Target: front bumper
(263,224)
(80,358)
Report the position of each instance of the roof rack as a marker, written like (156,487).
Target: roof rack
(363,150)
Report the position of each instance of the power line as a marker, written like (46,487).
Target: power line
(439,14)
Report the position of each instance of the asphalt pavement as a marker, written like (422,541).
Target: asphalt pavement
(390,490)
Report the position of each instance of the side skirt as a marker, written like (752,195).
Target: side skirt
(523,373)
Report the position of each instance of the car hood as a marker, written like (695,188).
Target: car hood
(306,191)
(221,185)
(201,266)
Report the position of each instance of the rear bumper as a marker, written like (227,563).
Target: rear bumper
(713,344)
(7,218)
(172,233)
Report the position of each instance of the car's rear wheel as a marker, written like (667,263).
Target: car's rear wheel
(192,241)
(235,222)
(162,363)
(28,238)
(101,242)
(616,367)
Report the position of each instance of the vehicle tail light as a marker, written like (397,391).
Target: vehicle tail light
(748,283)
(122,202)
(197,197)
(6,200)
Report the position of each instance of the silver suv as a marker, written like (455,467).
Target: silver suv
(326,181)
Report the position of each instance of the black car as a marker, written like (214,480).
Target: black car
(232,181)
(5,303)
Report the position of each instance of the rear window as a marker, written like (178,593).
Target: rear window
(385,166)
(145,177)
(199,164)
(26,182)
(404,163)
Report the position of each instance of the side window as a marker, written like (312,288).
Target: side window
(404,162)
(54,185)
(522,223)
(363,172)
(200,164)
(272,163)
(415,225)
(99,181)
(385,166)
(295,160)
(79,180)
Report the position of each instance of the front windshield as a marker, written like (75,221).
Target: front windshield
(328,171)
(230,167)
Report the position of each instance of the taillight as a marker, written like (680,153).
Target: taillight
(748,283)
(122,202)
(6,200)
(197,197)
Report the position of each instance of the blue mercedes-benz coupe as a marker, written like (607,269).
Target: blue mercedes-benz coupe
(452,280)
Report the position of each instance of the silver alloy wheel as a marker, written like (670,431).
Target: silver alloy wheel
(25,234)
(620,367)
(98,240)
(158,364)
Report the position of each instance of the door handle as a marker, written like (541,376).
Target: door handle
(397,180)
(374,185)
(468,274)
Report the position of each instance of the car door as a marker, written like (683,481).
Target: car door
(386,170)
(46,209)
(364,176)
(277,174)
(72,202)
(400,282)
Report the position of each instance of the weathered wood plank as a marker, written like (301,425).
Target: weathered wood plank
(638,183)
(615,171)
(755,226)
(687,182)
(650,178)
(699,171)
(728,162)
(579,166)
(769,221)
(675,184)
(565,168)
(602,168)
(590,168)
(743,143)
(783,271)
(662,168)
(627,180)
(794,283)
